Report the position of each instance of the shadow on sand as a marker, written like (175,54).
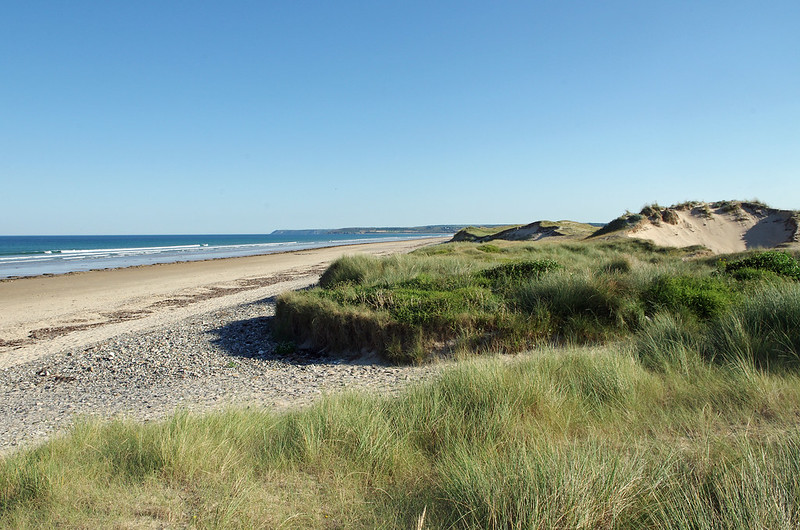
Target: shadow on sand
(252,338)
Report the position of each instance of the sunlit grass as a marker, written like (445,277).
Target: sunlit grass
(680,412)
(461,296)
(579,438)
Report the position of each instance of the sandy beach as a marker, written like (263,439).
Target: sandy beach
(46,314)
(141,342)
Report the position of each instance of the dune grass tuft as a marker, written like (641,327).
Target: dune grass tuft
(576,438)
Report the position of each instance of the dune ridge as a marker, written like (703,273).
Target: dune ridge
(718,227)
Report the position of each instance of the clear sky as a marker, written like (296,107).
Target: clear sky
(243,117)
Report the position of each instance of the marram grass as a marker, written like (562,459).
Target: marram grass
(580,438)
(459,297)
(682,415)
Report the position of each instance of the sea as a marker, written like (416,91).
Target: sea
(38,255)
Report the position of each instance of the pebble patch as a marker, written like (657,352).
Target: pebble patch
(205,362)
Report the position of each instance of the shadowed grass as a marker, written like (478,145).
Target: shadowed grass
(704,297)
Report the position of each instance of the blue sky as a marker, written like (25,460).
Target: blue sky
(244,117)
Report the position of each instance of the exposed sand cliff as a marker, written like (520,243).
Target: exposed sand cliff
(722,227)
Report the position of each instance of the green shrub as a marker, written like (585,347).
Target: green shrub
(521,270)
(432,307)
(438,250)
(404,323)
(771,261)
(427,282)
(321,322)
(670,216)
(747,274)
(410,307)
(705,297)
(705,211)
(727,206)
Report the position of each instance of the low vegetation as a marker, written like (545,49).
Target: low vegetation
(568,438)
(466,298)
(762,264)
(663,392)
(623,222)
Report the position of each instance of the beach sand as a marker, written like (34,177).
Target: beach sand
(43,315)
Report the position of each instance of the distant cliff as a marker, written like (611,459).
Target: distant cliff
(430,229)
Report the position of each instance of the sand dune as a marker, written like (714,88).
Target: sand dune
(720,227)
(537,231)
(542,230)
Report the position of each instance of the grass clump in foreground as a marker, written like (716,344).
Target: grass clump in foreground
(461,297)
(576,438)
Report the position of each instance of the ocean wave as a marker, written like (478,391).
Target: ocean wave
(56,261)
(27,258)
(130,250)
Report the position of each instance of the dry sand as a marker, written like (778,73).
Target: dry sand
(720,231)
(47,314)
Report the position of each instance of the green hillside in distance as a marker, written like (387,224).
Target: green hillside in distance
(427,229)
(530,232)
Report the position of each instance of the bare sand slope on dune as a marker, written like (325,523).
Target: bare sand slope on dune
(721,227)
